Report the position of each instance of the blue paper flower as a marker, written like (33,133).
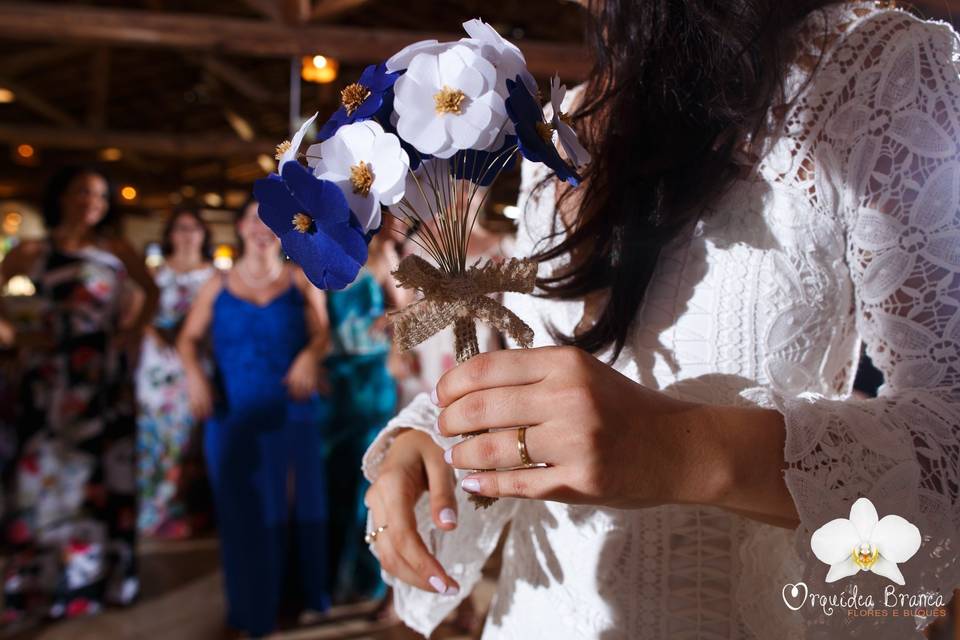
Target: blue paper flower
(534,134)
(370,97)
(314,223)
(483,167)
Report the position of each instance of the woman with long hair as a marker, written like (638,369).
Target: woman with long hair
(165,425)
(262,439)
(772,183)
(72,526)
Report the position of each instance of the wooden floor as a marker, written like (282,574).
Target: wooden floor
(182,599)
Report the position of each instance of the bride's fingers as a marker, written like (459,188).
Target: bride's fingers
(509,367)
(543,483)
(441,485)
(501,450)
(494,409)
(420,568)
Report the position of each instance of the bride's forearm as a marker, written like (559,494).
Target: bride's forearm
(747,450)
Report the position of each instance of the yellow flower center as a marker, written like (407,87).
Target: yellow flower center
(449,100)
(282,148)
(545,131)
(352,96)
(302,222)
(865,555)
(361,177)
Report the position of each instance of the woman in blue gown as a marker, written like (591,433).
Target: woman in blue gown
(263,440)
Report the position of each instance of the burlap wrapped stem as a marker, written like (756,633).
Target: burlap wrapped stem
(460,300)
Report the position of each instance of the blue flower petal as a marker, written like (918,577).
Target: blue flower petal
(321,199)
(526,113)
(277,206)
(321,257)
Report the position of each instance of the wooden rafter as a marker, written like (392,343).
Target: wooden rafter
(39,105)
(181,145)
(267,8)
(230,74)
(99,89)
(128,27)
(329,9)
(296,11)
(22,62)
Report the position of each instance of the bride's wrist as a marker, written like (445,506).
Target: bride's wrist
(745,464)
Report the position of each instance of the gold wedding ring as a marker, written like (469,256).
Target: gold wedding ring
(522,447)
(371,536)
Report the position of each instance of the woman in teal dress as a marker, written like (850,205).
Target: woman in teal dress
(365,398)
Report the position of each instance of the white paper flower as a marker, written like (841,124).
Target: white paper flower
(448,101)
(401,59)
(864,543)
(367,164)
(576,154)
(505,56)
(287,150)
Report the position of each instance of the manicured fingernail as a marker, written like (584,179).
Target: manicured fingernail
(451,591)
(437,584)
(448,516)
(433,397)
(448,456)
(471,484)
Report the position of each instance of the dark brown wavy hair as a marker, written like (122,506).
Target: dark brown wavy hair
(678,87)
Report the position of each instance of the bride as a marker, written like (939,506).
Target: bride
(772,184)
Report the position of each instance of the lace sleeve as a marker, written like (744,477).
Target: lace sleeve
(894,133)
(463,551)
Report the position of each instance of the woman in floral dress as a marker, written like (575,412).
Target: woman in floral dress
(166,428)
(72,520)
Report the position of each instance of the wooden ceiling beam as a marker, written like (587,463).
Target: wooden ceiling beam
(324,10)
(163,144)
(130,27)
(296,11)
(245,84)
(38,105)
(22,62)
(99,89)
(267,8)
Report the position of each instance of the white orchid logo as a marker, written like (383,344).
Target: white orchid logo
(865,543)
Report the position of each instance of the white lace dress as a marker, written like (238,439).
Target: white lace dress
(847,230)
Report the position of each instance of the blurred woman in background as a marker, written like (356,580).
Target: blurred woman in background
(73,523)
(165,424)
(365,398)
(262,441)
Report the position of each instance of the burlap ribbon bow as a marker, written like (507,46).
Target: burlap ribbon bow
(458,300)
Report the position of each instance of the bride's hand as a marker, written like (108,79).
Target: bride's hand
(606,439)
(414,464)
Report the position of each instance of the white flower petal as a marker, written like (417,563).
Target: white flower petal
(401,60)
(451,63)
(887,569)
(575,152)
(470,82)
(291,153)
(841,570)
(431,139)
(360,138)
(425,69)
(834,541)
(462,132)
(366,208)
(557,93)
(896,538)
(864,517)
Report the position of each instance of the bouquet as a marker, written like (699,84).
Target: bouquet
(422,137)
